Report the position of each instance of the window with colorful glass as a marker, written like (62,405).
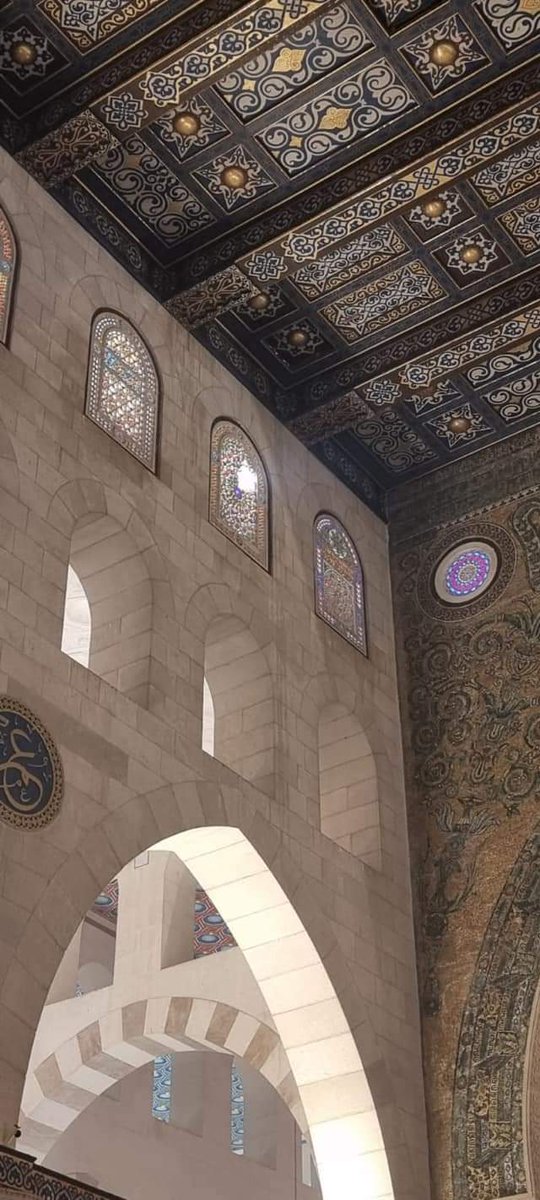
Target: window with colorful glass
(466,572)
(239,503)
(339,581)
(238,1109)
(162,1087)
(8,258)
(122,393)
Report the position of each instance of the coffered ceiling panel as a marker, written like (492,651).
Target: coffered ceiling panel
(340,199)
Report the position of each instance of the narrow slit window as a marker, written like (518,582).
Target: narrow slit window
(162,1087)
(238,1110)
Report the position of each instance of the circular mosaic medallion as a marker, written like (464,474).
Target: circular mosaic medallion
(465,572)
(31,776)
(459,579)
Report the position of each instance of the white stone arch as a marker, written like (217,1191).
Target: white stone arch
(136,826)
(125,1038)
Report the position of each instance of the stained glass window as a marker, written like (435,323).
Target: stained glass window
(161,1087)
(122,393)
(239,491)
(238,1109)
(8,258)
(339,581)
(466,572)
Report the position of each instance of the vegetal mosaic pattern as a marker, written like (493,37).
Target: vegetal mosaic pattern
(475,425)
(122,394)
(420,53)
(505,364)
(238,1109)
(59,154)
(520,398)
(161,1087)
(8,258)
(239,504)
(408,186)
(511,174)
(31,775)
(512,21)
(297,60)
(152,191)
(246,208)
(239,37)
(344,265)
(210,933)
(488,1116)
(384,301)
(339,581)
(88,22)
(350,110)
(392,441)
(523,225)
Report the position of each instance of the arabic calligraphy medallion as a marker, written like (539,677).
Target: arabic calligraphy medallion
(31,776)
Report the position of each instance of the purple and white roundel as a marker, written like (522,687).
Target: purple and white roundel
(465,572)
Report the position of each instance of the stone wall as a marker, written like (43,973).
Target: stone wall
(134,768)
(469,677)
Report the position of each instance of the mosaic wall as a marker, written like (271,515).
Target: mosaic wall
(467,598)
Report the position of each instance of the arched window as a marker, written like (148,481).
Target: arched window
(8,258)
(339,581)
(239,491)
(122,391)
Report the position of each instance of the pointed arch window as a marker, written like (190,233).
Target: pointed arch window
(239,502)
(339,581)
(122,393)
(8,261)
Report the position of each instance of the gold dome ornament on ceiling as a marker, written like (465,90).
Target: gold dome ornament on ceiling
(444,53)
(434,207)
(23,53)
(297,338)
(471,253)
(260,302)
(234,177)
(187,124)
(459,424)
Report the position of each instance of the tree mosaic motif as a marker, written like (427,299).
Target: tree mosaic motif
(238,1109)
(239,491)
(122,394)
(339,581)
(8,255)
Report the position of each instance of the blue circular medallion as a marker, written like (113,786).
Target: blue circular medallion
(31,776)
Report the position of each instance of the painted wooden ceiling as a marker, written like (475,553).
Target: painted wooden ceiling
(340,199)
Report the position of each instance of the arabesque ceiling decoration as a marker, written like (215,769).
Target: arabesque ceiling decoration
(338,198)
